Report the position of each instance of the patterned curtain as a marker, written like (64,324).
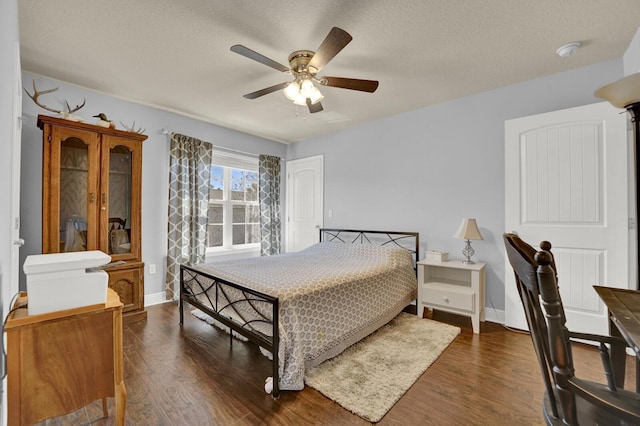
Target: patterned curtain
(269,196)
(189,174)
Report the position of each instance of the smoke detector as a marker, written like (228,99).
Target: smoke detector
(568,49)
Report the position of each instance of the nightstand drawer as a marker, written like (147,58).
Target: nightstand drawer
(448,296)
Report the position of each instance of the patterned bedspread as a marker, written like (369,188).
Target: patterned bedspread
(331,295)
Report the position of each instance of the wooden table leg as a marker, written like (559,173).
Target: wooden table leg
(121,403)
(618,356)
(118,373)
(637,375)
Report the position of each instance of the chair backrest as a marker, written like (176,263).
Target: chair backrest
(559,343)
(117,223)
(522,259)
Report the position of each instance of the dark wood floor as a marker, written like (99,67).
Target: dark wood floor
(189,376)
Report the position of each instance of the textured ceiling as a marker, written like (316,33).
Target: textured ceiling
(175,54)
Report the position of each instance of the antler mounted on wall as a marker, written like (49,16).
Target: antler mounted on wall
(132,128)
(69,114)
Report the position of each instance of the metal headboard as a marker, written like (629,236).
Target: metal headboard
(409,241)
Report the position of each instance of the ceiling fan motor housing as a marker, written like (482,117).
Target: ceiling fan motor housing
(299,60)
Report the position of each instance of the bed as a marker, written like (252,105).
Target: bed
(308,306)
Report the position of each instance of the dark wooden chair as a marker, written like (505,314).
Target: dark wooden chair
(117,223)
(568,399)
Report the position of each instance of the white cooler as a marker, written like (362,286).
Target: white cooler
(60,281)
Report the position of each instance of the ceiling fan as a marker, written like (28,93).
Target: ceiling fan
(304,65)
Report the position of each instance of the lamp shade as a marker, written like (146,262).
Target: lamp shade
(306,88)
(316,96)
(623,92)
(300,100)
(292,91)
(468,230)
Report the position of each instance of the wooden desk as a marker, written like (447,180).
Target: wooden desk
(624,320)
(61,361)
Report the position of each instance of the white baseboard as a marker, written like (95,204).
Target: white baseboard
(490,314)
(155,298)
(494,315)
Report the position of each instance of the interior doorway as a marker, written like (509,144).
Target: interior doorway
(305,196)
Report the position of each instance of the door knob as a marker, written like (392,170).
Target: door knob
(19,242)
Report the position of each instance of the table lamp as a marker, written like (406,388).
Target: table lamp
(468,231)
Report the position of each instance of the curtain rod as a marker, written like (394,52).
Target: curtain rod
(167,132)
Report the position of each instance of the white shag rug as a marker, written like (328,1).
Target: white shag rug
(369,377)
(217,324)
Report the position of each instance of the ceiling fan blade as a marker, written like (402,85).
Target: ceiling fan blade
(335,41)
(245,51)
(317,107)
(350,83)
(265,91)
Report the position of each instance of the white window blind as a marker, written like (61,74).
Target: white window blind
(233,160)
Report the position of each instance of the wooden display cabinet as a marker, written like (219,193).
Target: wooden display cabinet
(91,199)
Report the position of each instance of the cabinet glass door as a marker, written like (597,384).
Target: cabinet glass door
(74,194)
(119,241)
(74,162)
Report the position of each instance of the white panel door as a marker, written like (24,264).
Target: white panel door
(566,181)
(305,183)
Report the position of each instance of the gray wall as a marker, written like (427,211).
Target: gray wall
(427,169)
(155,161)
(631,57)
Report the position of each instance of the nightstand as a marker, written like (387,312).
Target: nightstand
(453,287)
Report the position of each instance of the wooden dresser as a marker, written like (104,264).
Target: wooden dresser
(60,361)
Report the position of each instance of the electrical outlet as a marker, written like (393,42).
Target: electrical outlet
(152,269)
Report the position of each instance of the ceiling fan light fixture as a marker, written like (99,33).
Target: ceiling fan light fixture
(300,90)
(316,96)
(300,100)
(292,91)
(306,88)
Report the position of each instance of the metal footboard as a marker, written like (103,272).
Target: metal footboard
(209,294)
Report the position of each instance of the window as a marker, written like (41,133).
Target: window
(234,214)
